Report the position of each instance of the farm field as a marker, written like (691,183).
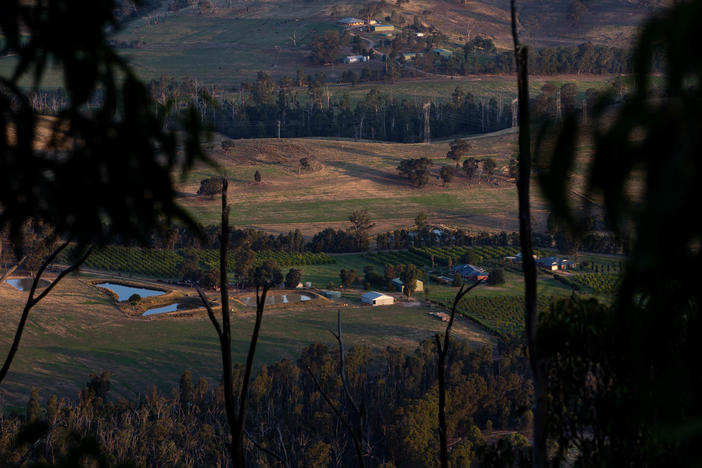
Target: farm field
(349,175)
(231,44)
(77,330)
(163,264)
(497,308)
(499,86)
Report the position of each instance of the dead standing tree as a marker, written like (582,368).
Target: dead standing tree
(442,351)
(521,55)
(263,277)
(356,433)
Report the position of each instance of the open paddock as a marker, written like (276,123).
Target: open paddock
(78,330)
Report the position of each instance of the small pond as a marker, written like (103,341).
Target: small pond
(162,310)
(277,299)
(25,284)
(125,292)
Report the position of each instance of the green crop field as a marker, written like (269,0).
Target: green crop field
(163,263)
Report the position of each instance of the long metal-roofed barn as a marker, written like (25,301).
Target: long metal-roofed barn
(375,298)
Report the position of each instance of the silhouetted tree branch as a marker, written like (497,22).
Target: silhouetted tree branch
(342,366)
(360,412)
(32,301)
(442,351)
(237,422)
(12,269)
(265,450)
(521,54)
(344,421)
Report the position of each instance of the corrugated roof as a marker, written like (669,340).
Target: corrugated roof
(374,295)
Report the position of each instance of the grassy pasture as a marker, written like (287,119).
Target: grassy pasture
(498,86)
(353,175)
(230,45)
(78,330)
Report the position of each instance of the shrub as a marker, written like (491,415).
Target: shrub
(210,187)
(134,299)
(292,279)
(496,276)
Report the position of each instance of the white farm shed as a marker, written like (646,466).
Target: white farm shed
(375,299)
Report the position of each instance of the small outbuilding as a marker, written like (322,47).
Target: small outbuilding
(376,299)
(399,286)
(442,52)
(383,28)
(555,263)
(356,58)
(350,22)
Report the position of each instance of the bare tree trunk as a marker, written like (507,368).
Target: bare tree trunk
(521,54)
(237,423)
(12,268)
(32,301)
(356,434)
(224,332)
(442,350)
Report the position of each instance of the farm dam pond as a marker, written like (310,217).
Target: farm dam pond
(124,292)
(150,302)
(25,284)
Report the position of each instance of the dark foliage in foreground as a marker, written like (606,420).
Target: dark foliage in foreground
(287,414)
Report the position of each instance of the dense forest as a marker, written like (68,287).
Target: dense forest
(289,108)
(489,393)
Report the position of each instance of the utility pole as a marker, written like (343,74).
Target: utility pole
(279,129)
(427,129)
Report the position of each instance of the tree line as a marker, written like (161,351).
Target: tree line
(303,107)
(479,56)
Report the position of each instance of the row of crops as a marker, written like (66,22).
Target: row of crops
(400,257)
(163,263)
(503,315)
(599,283)
(442,255)
(210,257)
(148,262)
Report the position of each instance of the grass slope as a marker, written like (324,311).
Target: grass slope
(78,330)
(353,175)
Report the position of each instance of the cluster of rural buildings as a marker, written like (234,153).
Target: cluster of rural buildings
(548,263)
(387,29)
(366,25)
